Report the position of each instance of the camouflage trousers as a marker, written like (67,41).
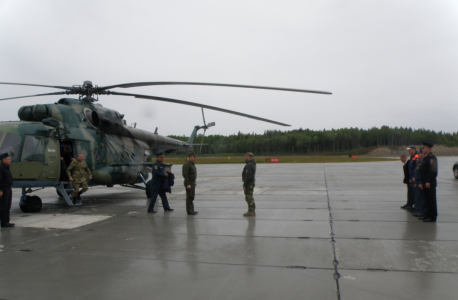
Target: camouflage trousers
(76,188)
(249,197)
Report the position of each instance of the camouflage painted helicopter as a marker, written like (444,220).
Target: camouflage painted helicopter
(115,153)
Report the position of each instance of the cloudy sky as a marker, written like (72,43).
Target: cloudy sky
(386,62)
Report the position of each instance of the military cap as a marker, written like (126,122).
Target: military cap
(249,154)
(427,144)
(160,155)
(191,154)
(411,147)
(4,155)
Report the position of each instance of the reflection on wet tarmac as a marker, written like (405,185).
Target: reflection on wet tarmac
(285,252)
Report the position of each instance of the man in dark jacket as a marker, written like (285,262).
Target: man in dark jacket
(159,175)
(429,183)
(190,176)
(248,178)
(412,164)
(405,167)
(418,186)
(6,194)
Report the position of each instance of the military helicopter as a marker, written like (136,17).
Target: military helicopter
(115,153)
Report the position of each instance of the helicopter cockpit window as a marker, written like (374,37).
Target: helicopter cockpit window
(33,149)
(11,145)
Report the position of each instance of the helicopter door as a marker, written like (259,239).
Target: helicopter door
(51,169)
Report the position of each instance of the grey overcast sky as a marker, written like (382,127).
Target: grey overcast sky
(389,62)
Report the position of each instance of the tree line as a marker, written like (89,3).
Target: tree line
(306,141)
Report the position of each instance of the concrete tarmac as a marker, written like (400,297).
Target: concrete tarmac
(321,231)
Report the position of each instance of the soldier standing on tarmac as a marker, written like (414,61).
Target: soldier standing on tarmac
(248,178)
(159,175)
(430,183)
(6,181)
(75,174)
(405,167)
(190,175)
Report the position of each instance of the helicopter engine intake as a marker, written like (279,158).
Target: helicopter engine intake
(34,113)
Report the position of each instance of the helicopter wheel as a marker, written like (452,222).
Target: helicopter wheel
(24,208)
(34,204)
(149,189)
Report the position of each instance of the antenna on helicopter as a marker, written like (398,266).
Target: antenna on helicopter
(205,127)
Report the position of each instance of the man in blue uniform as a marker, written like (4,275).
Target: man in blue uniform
(412,164)
(430,183)
(418,185)
(405,167)
(159,175)
(6,194)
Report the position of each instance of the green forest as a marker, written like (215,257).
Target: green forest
(306,141)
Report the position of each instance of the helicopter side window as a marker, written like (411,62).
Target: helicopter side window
(11,145)
(33,149)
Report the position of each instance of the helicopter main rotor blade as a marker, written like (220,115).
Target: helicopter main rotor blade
(51,86)
(48,94)
(198,105)
(129,85)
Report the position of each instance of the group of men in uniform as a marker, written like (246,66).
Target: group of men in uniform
(75,173)
(420,172)
(189,172)
(76,169)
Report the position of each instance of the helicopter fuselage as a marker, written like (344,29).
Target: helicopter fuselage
(114,152)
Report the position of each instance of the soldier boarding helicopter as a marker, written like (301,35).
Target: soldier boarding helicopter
(114,152)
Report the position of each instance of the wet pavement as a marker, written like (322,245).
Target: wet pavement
(322,231)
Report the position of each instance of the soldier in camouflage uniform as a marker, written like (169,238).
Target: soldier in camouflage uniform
(190,175)
(75,173)
(248,178)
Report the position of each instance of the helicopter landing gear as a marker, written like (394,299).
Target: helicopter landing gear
(30,204)
(23,204)
(34,204)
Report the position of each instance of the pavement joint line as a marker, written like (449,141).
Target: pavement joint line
(236,219)
(172,260)
(279,220)
(32,240)
(385,239)
(398,271)
(263,208)
(335,262)
(380,221)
